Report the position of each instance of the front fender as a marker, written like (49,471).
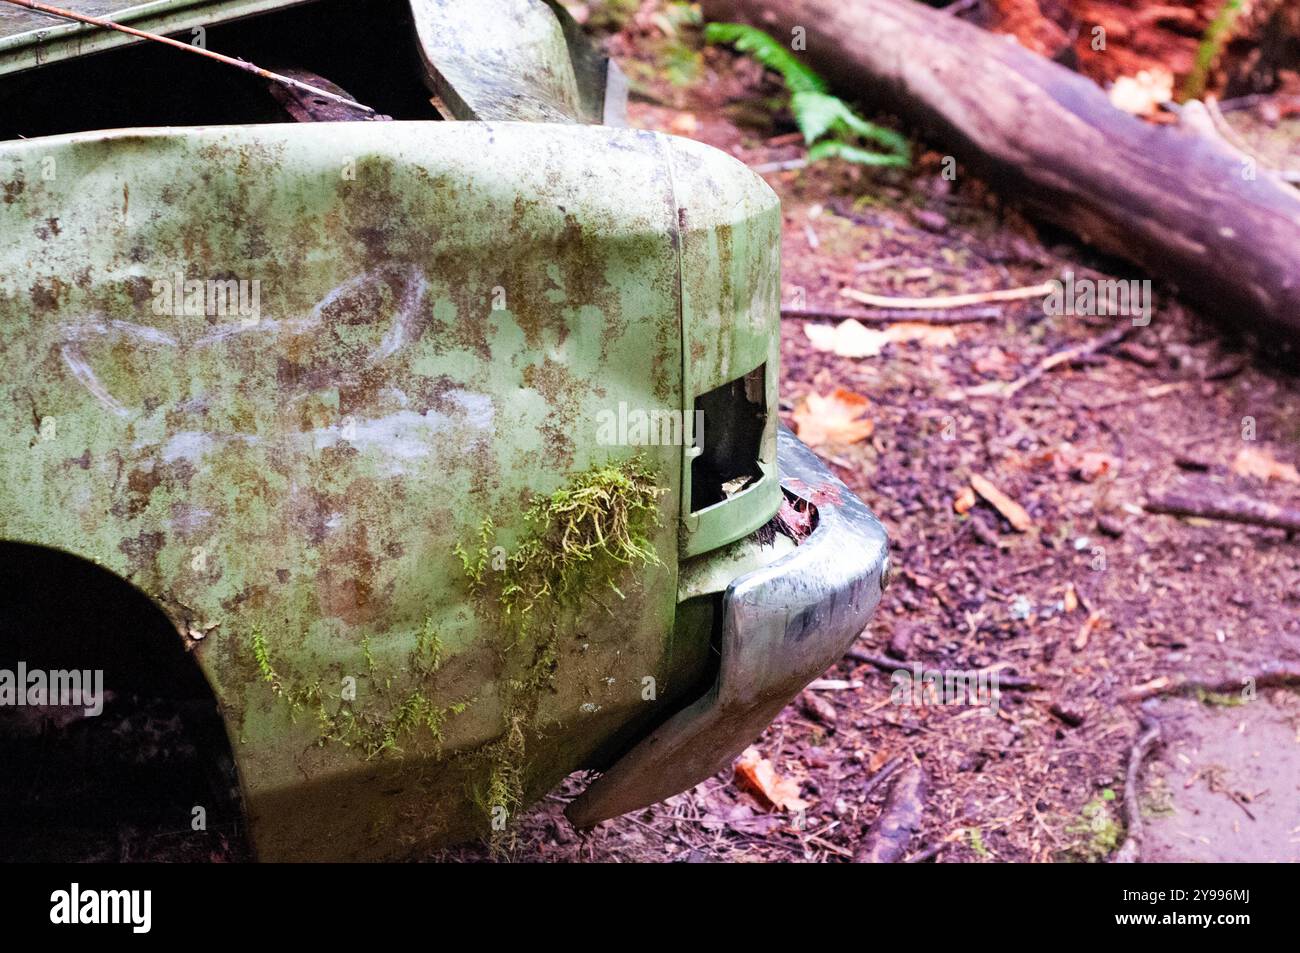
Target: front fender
(442,312)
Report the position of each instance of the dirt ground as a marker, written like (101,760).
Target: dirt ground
(1097,597)
(1225,789)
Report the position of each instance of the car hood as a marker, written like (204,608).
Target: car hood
(29,39)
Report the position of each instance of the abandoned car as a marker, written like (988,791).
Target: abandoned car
(416,457)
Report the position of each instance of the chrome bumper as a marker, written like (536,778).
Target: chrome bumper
(783,625)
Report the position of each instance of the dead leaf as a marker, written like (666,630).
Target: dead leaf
(878,760)
(835,418)
(852,338)
(756,775)
(1259,463)
(1015,514)
(847,339)
(930,335)
(1143,94)
(1071,600)
(990,362)
(964,501)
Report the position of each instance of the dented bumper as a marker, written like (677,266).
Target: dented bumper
(783,625)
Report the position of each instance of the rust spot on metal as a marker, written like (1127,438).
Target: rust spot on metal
(47,295)
(13,189)
(563,394)
(821,494)
(141,550)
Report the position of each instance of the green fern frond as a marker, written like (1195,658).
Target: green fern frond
(768,51)
(1216,37)
(818,113)
(834,148)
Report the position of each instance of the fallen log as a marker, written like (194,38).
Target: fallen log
(1220,228)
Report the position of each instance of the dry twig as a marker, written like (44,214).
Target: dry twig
(1269,675)
(885,664)
(1099,343)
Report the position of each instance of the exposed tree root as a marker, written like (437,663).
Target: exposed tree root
(1270,675)
(1130,851)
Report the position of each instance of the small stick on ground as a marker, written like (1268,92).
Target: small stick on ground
(999,389)
(886,664)
(892,315)
(1131,850)
(1158,392)
(884,774)
(950,301)
(887,839)
(1231,509)
(1270,675)
(926,853)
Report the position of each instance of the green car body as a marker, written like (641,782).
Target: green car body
(392,421)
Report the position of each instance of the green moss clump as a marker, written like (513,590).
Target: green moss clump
(578,543)
(1218,699)
(379,730)
(427,657)
(1102,833)
(262,655)
(476,565)
(579,540)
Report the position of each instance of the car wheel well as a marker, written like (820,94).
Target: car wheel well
(128,757)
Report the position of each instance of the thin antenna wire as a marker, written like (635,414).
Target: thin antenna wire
(219,57)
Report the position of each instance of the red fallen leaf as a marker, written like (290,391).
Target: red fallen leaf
(755,774)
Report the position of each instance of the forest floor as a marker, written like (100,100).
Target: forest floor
(1095,598)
